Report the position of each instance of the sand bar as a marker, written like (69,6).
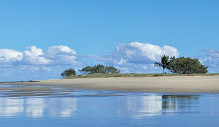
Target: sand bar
(163,84)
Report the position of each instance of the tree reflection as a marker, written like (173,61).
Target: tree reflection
(155,105)
(178,102)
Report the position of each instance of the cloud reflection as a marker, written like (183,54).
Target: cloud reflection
(62,107)
(138,107)
(38,107)
(11,107)
(35,107)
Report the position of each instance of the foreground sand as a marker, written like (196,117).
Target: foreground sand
(166,84)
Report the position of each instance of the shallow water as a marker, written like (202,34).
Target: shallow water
(89,108)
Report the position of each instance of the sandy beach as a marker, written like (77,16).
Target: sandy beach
(163,84)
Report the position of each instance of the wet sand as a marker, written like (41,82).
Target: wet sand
(163,84)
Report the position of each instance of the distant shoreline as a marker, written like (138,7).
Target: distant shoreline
(111,75)
(119,75)
(160,84)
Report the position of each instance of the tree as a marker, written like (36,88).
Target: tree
(95,69)
(68,72)
(99,69)
(188,65)
(111,69)
(87,69)
(164,62)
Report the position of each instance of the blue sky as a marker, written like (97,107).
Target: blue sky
(93,30)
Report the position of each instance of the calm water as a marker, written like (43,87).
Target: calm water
(88,108)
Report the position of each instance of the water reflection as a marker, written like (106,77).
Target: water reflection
(140,106)
(38,107)
(62,107)
(155,105)
(11,107)
(35,107)
(171,103)
(137,106)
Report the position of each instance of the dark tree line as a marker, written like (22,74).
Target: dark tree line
(99,69)
(91,69)
(182,65)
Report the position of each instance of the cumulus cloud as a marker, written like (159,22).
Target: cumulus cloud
(10,56)
(137,57)
(136,52)
(211,58)
(34,55)
(130,57)
(34,63)
(62,55)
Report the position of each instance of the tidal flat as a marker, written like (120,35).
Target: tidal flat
(121,102)
(57,105)
(160,84)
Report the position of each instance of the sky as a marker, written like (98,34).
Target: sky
(39,39)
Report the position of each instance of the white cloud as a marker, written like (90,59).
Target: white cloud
(34,55)
(136,52)
(35,64)
(137,57)
(121,61)
(9,56)
(211,58)
(62,55)
(130,57)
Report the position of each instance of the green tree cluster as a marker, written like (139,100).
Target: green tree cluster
(188,65)
(99,69)
(182,65)
(68,72)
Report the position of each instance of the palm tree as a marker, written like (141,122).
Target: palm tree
(164,63)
